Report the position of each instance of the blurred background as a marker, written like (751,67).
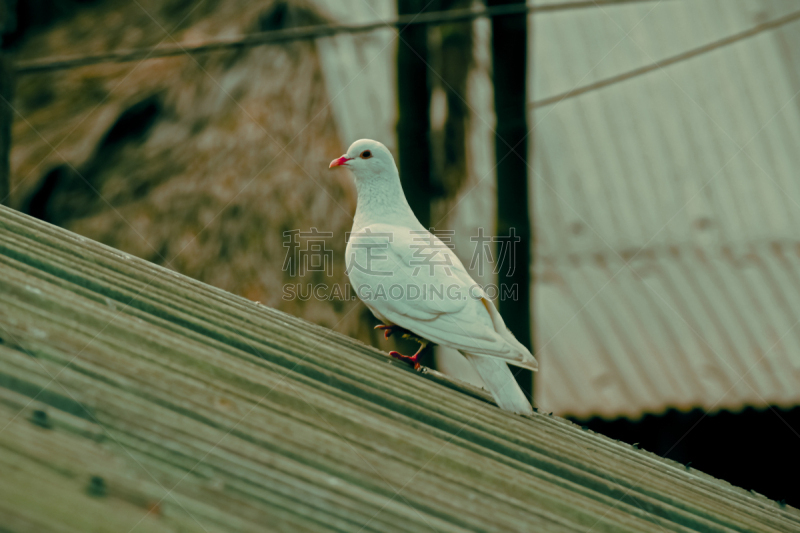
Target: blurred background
(644,152)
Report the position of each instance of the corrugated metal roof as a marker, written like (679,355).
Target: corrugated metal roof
(135,398)
(360,72)
(689,174)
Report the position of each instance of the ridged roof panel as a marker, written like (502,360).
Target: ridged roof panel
(667,210)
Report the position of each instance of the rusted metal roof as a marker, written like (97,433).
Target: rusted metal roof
(667,210)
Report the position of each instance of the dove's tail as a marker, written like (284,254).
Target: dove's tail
(501,383)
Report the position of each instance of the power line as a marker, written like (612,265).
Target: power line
(301,34)
(434,17)
(755,30)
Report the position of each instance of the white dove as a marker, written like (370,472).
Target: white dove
(412,281)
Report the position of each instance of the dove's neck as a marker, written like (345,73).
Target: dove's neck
(381,199)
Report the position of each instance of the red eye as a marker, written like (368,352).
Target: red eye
(366,154)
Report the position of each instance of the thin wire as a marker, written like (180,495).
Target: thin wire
(656,65)
(300,34)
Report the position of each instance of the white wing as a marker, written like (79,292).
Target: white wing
(412,279)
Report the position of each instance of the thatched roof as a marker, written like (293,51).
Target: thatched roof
(134,398)
(181,160)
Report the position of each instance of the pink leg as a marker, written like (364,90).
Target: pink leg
(413,359)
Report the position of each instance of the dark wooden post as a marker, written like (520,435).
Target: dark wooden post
(454,67)
(413,123)
(6,91)
(6,95)
(509,60)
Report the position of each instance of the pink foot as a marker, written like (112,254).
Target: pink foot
(410,359)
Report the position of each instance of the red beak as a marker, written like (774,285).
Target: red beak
(339,162)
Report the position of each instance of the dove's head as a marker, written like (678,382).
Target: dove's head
(367,159)
(380,194)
